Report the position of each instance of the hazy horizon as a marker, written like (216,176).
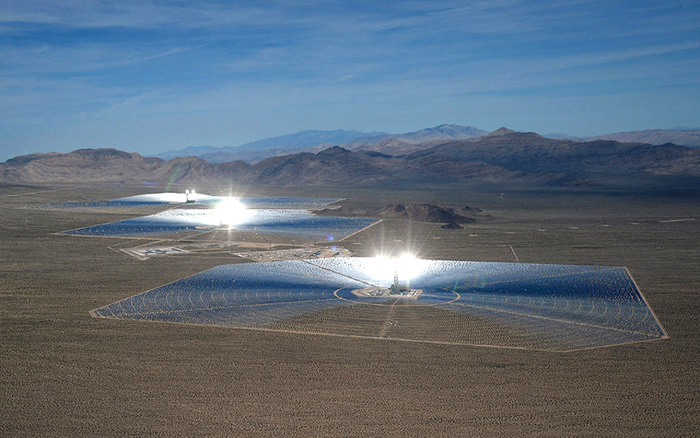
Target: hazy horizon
(149,77)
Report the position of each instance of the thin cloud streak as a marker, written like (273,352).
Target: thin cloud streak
(235,72)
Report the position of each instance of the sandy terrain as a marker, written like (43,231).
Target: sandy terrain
(63,373)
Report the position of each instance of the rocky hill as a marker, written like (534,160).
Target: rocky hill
(415,212)
(430,213)
(111,165)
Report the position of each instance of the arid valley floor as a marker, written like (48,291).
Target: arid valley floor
(64,373)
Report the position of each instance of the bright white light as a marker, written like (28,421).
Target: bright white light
(231,212)
(409,267)
(407,256)
(382,268)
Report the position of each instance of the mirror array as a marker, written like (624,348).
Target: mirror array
(290,217)
(265,202)
(299,224)
(514,305)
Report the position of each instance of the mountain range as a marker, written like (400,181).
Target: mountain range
(686,137)
(503,156)
(396,144)
(315,141)
(268,147)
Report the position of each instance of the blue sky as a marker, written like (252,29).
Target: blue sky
(147,76)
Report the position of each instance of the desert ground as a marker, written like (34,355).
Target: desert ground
(64,373)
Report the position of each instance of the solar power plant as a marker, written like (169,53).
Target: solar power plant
(284,222)
(268,215)
(266,202)
(511,305)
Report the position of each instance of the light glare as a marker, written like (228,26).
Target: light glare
(231,212)
(382,268)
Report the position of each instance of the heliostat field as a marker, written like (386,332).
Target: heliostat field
(515,305)
(286,217)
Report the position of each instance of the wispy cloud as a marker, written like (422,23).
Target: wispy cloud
(235,71)
(131,14)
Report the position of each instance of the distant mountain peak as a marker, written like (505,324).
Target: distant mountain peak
(440,132)
(103,153)
(334,150)
(453,126)
(449,129)
(191,151)
(501,131)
